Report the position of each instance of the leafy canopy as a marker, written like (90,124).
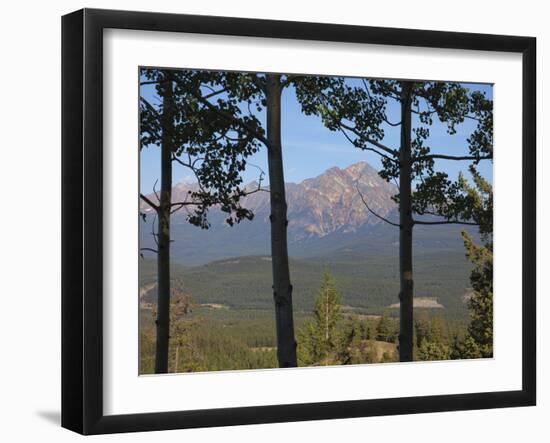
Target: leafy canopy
(208,139)
(359,110)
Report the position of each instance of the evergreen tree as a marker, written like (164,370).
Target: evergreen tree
(480,303)
(437,330)
(479,339)
(349,341)
(433,350)
(385,330)
(421,329)
(320,340)
(182,349)
(432,340)
(465,348)
(365,331)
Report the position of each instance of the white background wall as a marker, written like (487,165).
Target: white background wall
(30,230)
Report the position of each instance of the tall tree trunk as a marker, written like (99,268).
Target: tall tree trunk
(406,229)
(282,289)
(163,237)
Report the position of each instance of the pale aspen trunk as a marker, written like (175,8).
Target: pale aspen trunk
(163,237)
(282,289)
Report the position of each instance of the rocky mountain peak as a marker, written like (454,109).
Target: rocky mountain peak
(318,206)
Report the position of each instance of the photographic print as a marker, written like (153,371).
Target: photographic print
(296,220)
(239,230)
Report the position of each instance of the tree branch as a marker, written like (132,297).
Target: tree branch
(379,145)
(449,157)
(258,189)
(153,233)
(152,82)
(181,205)
(149,249)
(260,179)
(374,213)
(445,222)
(366,149)
(187,165)
(155,190)
(150,106)
(259,83)
(396,183)
(149,202)
(390,123)
(230,118)
(214,93)
(288,80)
(419,112)
(353,129)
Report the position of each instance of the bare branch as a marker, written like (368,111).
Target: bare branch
(379,145)
(390,123)
(374,213)
(428,212)
(396,183)
(149,202)
(354,130)
(419,112)
(366,86)
(187,165)
(155,235)
(149,249)
(181,205)
(260,179)
(381,155)
(347,136)
(258,189)
(445,222)
(152,82)
(471,117)
(184,203)
(214,93)
(155,190)
(367,149)
(449,157)
(149,106)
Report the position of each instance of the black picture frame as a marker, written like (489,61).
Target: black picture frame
(82,259)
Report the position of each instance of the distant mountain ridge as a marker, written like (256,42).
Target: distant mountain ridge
(317,206)
(326,216)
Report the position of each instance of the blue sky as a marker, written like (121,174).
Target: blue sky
(309,148)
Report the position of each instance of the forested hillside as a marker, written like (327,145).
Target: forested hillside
(368,283)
